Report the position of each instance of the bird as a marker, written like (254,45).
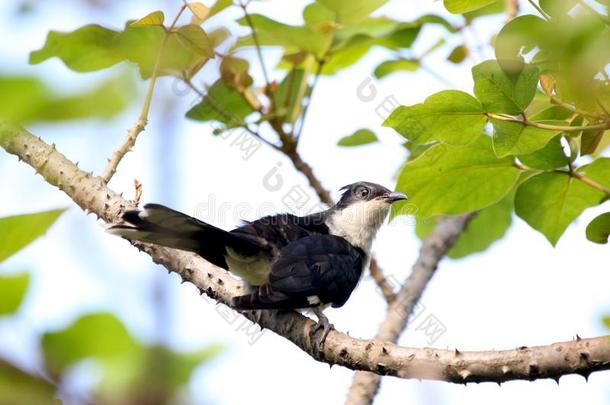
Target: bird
(287,262)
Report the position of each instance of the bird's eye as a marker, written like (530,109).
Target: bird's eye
(362,192)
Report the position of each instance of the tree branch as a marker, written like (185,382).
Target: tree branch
(381,357)
(434,247)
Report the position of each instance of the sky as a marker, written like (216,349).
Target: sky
(519,292)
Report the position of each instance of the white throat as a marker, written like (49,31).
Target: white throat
(358,223)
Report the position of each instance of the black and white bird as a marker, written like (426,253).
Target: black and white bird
(287,261)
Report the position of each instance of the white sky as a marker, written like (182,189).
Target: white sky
(520,292)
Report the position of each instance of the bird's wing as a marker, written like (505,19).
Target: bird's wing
(314,270)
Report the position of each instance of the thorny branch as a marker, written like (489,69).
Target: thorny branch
(91,193)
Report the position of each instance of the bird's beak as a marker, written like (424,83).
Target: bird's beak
(393,197)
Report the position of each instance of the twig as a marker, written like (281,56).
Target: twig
(581,356)
(541,11)
(434,247)
(572,108)
(140,124)
(257,44)
(298,133)
(227,114)
(562,128)
(382,283)
(572,172)
(512,9)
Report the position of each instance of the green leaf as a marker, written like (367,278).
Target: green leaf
(454,180)
(12,292)
(452,117)
(517,138)
(557,8)
(488,226)
(500,93)
(458,54)
(598,229)
(20,387)
(16,232)
(99,336)
(464,6)
(292,38)
(352,11)
(27,99)
(87,49)
(392,66)
(154,18)
(219,6)
(590,140)
(517,38)
(221,103)
(360,137)
(598,170)
(606,321)
(93,47)
(289,94)
(548,158)
(549,202)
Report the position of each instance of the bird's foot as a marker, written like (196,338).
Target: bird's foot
(324,325)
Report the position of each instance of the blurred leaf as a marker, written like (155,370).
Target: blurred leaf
(497,6)
(27,99)
(20,388)
(456,179)
(606,321)
(352,11)
(458,54)
(487,227)
(392,66)
(186,48)
(290,37)
(154,18)
(598,229)
(516,138)
(12,292)
(500,93)
(223,104)
(219,6)
(438,44)
(200,12)
(360,137)
(556,8)
(290,93)
(16,232)
(234,72)
(517,38)
(451,116)
(100,336)
(549,202)
(464,6)
(548,158)
(590,140)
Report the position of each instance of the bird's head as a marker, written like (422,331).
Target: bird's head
(361,211)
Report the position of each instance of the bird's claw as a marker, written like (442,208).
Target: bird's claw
(324,325)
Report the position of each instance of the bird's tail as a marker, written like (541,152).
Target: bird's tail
(163,226)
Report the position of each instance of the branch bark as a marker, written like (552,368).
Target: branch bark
(366,385)
(381,357)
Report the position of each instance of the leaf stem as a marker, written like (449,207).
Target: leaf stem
(319,68)
(541,125)
(140,124)
(540,10)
